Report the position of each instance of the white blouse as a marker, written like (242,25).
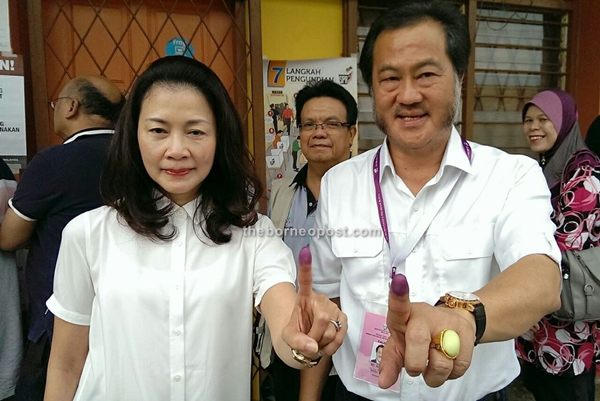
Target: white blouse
(168,320)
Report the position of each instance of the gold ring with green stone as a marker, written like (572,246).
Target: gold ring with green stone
(447,342)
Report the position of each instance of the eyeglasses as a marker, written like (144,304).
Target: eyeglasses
(53,102)
(328,126)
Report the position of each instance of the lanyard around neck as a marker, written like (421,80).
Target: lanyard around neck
(381,205)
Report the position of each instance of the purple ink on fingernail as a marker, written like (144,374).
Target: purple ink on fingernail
(305,257)
(399,285)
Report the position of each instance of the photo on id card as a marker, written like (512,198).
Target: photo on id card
(374,335)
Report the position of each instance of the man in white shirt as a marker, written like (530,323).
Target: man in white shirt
(452,216)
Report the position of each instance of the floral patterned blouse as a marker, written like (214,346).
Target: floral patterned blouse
(559,347)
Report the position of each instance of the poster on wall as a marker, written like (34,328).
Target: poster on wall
(13,143)
(282,81)
(4,28)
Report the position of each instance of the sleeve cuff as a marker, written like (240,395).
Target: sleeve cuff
(21,215)
(68,316)
(282,278)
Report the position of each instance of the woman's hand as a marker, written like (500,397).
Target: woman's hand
(317,326)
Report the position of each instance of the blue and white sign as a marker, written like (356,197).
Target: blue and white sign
(179,47)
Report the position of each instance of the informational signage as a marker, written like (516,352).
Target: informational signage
(179,47)
(283,79)
(13,144)
(4,28)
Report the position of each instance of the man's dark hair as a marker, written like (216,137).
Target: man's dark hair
(327,88)
(410,13)
(93,102)
(231,190)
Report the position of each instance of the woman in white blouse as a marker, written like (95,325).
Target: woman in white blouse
(153,293)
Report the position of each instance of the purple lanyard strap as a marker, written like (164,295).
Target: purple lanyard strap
(379,194)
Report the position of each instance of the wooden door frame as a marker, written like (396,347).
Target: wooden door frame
(20,41)
(30,33)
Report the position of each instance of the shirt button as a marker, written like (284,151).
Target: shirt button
(413,294)
(179,243)
(179,213)
(177,332)
(176,286)
(410,381)
(416,208)
(414,250)
(177,378)
(355,250)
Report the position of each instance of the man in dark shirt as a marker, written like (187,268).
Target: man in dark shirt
(60,183)
(274,114)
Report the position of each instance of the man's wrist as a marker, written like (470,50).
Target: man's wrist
(467,315)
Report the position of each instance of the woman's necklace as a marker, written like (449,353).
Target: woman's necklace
(543,161)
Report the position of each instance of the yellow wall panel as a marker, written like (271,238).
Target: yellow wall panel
(301,29)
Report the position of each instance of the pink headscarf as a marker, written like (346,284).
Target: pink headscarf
(561,109)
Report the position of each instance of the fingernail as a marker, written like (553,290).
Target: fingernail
(312,346)
(400,285)
(305,258)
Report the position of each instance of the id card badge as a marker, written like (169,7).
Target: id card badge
(374,335)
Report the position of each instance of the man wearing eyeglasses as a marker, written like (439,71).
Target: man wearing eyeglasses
(327,123)
(60,183)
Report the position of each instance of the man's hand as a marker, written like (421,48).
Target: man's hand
(310,330)
(412,327)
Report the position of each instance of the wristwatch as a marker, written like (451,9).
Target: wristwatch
(469,302)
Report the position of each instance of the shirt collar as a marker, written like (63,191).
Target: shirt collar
(300,181)
(189,208)
(385,160)
(300,178)
(454,156)
(87,132)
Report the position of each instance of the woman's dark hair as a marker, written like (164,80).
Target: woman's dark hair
(410,13)
(327,88)
(231,190)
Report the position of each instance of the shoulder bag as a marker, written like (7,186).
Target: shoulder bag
(580,296)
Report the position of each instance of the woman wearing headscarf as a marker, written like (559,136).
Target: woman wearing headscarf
(559,357)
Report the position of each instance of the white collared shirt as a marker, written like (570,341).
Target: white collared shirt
(497,213)
(169,321)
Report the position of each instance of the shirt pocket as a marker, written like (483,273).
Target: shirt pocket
(466,257)
(468,242)
(362,265)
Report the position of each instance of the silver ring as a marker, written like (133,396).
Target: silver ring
(337,324)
